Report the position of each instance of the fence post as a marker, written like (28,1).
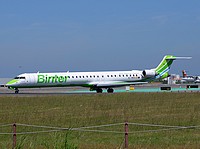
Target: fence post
(14,135)
(126,135)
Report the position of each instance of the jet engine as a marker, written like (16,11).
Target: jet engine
(149,73)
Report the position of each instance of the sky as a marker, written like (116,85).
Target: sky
(97,35)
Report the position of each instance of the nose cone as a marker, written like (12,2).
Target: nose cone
(12,83)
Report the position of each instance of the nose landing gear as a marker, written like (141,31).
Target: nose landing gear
(16,90)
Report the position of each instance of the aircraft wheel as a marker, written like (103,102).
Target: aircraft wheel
(110,90)
(16,91)
(99,90)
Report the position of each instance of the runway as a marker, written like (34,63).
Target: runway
(149,88)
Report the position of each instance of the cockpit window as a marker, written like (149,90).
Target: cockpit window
(19,78)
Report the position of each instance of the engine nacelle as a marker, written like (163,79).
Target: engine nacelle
(149,73)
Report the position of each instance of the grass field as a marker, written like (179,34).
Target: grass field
(74,111)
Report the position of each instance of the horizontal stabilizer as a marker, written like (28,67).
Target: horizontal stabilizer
(174,58)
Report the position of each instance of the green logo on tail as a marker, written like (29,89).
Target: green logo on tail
(164,66)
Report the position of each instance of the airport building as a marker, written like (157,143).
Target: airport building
(173,79)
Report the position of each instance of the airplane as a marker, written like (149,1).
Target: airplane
(189,79)
(94,80)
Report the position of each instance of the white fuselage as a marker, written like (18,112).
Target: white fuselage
(103,79)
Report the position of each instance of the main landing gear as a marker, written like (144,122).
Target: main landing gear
(99,90)
(109,90)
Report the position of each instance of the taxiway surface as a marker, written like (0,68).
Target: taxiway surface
(80,90)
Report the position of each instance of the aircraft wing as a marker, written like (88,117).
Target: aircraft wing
(106,84)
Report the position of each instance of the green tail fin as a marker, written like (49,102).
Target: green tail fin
(164,66)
